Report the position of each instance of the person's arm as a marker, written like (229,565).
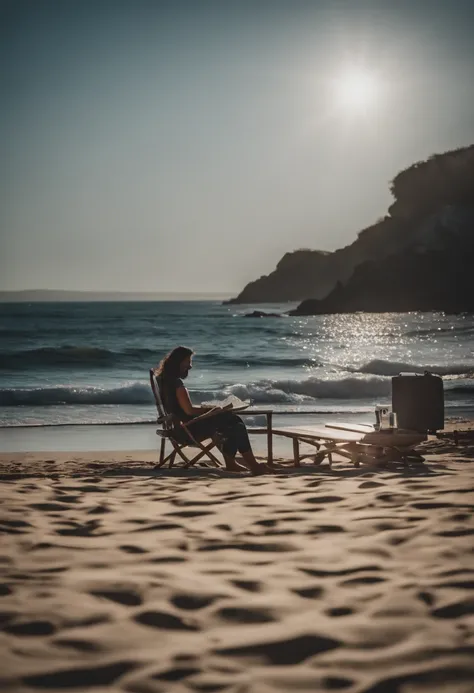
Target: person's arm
(186,405)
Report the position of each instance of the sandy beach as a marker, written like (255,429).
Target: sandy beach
(115,579)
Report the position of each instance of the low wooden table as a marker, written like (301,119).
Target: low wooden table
(269,429)
(337,433)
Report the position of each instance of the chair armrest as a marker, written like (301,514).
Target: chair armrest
(206,415)
(165,419)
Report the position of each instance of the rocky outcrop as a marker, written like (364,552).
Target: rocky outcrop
(262,314)
(432,274)
(441,185)
(299,274)
(313,273)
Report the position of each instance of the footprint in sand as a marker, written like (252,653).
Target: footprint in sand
(177,674)
(29,628)
(80,645)
(362,580)
(309,592)
(130,548)
(463,607)
(189,513)
(99,510)
(460,532)
(87,621)
(461,585)
(81,677)
(125,597)
(325,529)
(14,526)
(316,572)
(286,652)
(164,620)
(247,546)
(427,598)
(50,506)
(338,611)
(266,523)
(192,602)
(245,615)
(248,585)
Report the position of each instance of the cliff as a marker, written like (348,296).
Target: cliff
(292,280)
(436,280)
(313,273)
(423,193)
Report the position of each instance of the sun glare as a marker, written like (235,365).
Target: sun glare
(356,90)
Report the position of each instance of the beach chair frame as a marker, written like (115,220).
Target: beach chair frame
(169,423)
(358,452)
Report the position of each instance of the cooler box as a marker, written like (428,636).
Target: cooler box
(418,401)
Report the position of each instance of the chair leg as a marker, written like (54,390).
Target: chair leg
(172,458)
(319,457)
(178,450)
(205,450)
(163,459)
(213,457)
(191,463)
(162,451)
(296,452)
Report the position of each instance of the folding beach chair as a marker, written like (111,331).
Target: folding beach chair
(356,442)
(170,425)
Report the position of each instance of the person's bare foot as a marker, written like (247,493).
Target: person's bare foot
(260,469)
(269,469)
(235,467)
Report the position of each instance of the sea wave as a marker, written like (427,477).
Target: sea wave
(94,357)
(312,388)
(77,356)
(57,356)
(133,393)
(80,357)
(262,392)
(391,368)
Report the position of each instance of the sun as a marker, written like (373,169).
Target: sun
(356,89)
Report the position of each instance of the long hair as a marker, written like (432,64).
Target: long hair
(169,367)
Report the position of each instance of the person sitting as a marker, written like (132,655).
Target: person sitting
(230,428)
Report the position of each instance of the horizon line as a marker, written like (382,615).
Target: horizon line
(29,295)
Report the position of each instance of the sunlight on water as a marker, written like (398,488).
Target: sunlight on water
(78,363)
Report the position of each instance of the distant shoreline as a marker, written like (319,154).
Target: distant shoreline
(53,295)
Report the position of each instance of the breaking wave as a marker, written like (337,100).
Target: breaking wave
(261,392)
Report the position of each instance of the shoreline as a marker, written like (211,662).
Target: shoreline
(142,437)
(23,463)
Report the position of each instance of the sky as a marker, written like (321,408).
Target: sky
(188,145)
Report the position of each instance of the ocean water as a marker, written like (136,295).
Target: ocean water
(87,363)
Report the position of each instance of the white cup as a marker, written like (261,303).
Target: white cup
(382,416)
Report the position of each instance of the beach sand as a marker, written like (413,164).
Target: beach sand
(359,580)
